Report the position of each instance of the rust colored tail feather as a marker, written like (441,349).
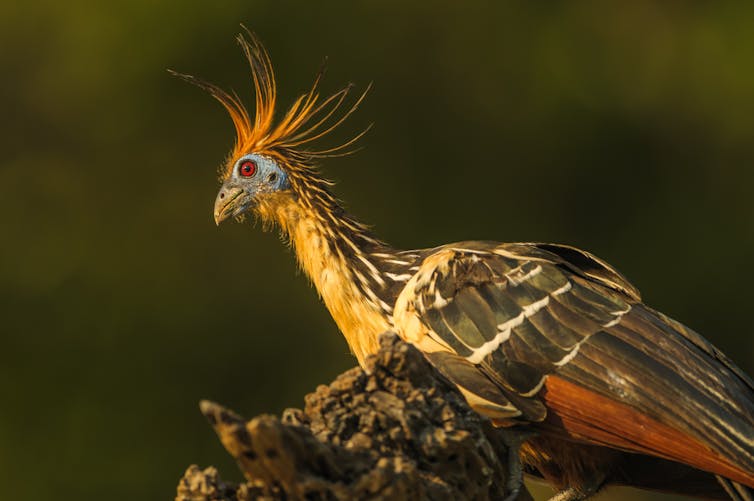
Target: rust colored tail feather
(589,417)
(622,469)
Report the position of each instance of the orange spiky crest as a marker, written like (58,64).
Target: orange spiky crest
(284,139)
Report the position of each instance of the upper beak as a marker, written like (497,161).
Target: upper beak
(227,203)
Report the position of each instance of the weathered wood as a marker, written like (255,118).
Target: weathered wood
(397,431)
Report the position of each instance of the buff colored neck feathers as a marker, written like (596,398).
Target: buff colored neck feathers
(329,270)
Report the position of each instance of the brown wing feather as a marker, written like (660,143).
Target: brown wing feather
(592,267)
(522,324)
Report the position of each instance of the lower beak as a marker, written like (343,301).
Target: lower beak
(227,203)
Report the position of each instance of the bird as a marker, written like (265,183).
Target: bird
(540,336)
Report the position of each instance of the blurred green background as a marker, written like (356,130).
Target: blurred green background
(626,129)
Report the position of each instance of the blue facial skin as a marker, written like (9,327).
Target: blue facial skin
(238,192)
(267,178)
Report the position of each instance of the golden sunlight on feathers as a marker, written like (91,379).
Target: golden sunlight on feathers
(329,271)
(506,323)
(308,119)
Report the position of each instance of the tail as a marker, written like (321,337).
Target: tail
(736,491)
(655,474)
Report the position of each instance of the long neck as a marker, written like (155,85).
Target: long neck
(345,264)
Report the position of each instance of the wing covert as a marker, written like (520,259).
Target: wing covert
(512,318)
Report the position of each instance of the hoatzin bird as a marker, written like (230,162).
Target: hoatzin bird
(539,335)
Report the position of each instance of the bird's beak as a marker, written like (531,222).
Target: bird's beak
(229,203)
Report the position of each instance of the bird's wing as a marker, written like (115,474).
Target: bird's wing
(550,334)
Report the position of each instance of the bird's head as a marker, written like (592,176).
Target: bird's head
(251,179)
(270,162)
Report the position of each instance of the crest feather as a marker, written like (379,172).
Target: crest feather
(308,119)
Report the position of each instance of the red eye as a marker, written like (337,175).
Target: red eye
(248,168)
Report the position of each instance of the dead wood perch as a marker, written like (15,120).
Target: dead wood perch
(399,432)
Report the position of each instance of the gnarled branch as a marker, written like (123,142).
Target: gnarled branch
(395,431)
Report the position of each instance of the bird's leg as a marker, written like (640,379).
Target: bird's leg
(513,440)
(515,478)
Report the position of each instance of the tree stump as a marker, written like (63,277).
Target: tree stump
(397,430)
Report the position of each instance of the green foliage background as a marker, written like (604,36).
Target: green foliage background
(623,128)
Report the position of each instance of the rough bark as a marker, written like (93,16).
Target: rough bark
(397,431)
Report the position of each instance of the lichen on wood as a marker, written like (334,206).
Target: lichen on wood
(396,430)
